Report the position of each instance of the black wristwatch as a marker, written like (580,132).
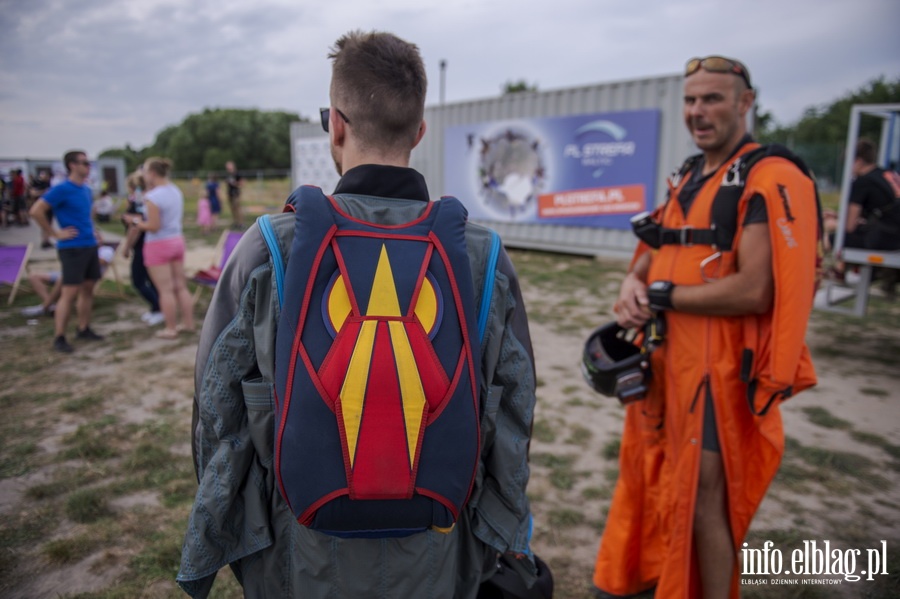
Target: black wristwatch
(660,295)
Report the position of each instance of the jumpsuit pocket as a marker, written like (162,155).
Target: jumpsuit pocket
(259,398)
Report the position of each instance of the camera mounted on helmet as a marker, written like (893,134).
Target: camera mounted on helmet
(616,365)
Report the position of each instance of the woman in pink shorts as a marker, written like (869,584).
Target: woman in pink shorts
(164,246)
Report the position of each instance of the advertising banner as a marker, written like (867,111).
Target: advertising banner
(313,164)
(595,170)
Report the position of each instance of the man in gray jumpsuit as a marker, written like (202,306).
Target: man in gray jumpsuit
(239,517)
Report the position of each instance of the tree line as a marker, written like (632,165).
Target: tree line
(253,139)
(820,135)
(259,140)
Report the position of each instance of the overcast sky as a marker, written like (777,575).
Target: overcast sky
(97,74)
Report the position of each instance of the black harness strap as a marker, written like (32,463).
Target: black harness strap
(689,236)
(725,205)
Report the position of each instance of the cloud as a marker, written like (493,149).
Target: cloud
(103,73)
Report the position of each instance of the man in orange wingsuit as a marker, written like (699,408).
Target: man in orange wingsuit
(732,265)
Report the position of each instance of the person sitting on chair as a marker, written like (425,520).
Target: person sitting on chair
(48,285)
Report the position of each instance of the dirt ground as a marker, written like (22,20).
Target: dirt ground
(114,417)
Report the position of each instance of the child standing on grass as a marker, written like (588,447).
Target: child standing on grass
(204,212)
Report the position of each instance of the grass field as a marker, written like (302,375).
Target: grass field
(96,478)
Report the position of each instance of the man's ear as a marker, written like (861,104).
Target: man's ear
(748,97)
(337,127)
(420,134)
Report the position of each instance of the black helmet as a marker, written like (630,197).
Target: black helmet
(615,366)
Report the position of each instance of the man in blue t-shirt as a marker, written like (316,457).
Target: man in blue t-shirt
(76,246)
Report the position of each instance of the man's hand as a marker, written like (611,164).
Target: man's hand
(67,233)
(632,308)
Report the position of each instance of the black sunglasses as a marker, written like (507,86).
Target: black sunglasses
(718,64)
(325,114)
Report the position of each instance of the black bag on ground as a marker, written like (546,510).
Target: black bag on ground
(506,583)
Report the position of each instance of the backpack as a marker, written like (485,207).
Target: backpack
(377,369)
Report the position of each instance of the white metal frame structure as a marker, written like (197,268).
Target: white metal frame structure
(867,260)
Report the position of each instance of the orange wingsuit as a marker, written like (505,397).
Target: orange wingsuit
(648,537)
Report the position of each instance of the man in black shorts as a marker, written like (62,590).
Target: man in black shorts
(76,246)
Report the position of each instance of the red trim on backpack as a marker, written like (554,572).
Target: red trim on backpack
(440,499)
(467,348)
(295,349)
(411,310)
(342,266)
(423,216)
(454,383)
(388,236)
(307,516)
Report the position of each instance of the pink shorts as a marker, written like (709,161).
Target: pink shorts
(163,251)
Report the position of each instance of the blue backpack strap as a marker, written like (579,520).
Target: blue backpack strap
(268,233)
(271,238)
(487,291)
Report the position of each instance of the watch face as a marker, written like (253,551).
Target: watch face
(660,295)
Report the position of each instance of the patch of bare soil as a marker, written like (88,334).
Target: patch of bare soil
(839,480)
(89,421)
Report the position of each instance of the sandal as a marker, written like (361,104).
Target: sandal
(183,329)
(167,334)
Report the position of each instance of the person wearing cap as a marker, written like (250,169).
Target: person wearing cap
(732,268)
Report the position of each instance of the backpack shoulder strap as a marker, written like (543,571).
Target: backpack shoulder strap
(271,239)
(487,290)
(688,165)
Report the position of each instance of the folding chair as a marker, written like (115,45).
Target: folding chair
(209,277)
(13,263)
(112,270)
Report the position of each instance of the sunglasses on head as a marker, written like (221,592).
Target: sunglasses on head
(325,115)
(718,64)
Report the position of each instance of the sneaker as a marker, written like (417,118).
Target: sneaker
(33,310)
(46,245)
(61,345)
(155,318)
(88,335)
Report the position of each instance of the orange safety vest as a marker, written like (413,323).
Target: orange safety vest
(748,363)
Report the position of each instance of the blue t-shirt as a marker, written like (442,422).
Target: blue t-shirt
(71,206)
